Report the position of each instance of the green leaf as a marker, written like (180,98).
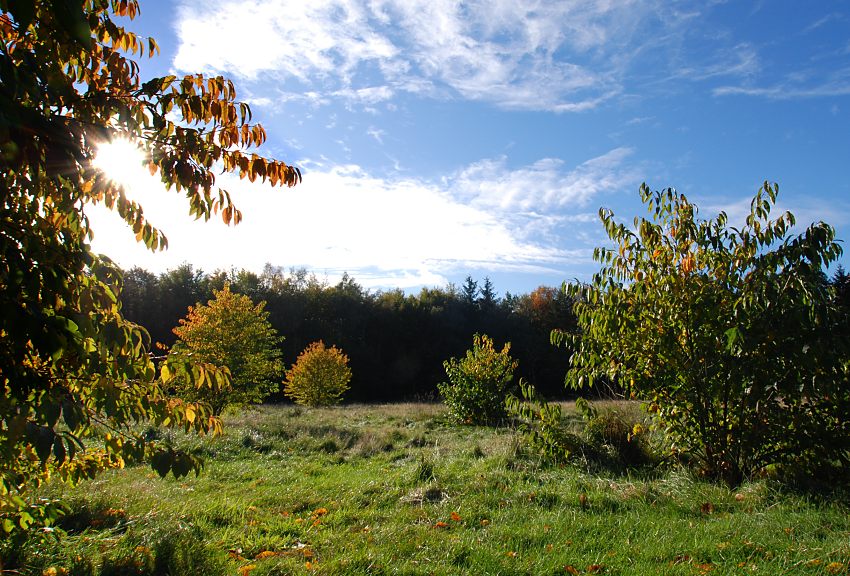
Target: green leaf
(734,338)
(42,439)
(59,449)
(70,16)
(182,464)
(162,462)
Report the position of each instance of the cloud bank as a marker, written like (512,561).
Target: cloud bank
(390,231)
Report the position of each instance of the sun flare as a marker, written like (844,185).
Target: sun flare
(123,161)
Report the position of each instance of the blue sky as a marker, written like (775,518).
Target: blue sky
(441,139)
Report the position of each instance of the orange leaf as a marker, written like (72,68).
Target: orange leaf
(511,554)
(245,570)
(441,524)
(455,517)
(570,569)
(596,568)
(265,554)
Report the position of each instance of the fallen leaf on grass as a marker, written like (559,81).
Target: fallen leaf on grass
(570,569)
(441,524)
(596,569)
(836,568)
(707,508)
(455,517)
(511,554)
(245,570)
(265,554)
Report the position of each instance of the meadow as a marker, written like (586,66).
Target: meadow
(398,489)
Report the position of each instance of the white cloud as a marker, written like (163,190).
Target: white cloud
(544,185)
(806,211)
(399,231)
(376,133)
(527,55)
(789,90)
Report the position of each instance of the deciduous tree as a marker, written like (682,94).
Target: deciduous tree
(68,83)
(729,334)
(231,331)
(319,377)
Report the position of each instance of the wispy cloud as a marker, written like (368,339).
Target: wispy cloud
(544,185)
(558,56)
(794,88)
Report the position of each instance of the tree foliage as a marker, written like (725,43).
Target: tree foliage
(319,377)
(231,331)
(70,364)
(382,332)
(479,383)
(731,335)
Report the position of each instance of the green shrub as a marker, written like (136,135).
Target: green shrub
(731,335)
(319,377)
(479,383)
(620,432)
(541,424)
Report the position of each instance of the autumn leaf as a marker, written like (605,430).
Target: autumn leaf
(455,517)
(441,524)
(245,570)
(836,568)
(511,554)
(265,554)
(570,569)
(595,569)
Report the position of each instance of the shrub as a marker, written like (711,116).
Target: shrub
(479,382)
(541,425)
(619,432)
(731,335)
(319,377)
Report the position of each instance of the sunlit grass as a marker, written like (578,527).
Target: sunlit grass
(397,490)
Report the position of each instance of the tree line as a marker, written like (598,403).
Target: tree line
(396,342)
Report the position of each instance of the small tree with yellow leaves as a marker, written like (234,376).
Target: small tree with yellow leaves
(232,331)
(319,377)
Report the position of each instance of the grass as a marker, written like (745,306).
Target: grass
(395,489)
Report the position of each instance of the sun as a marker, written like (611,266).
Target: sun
(123,161)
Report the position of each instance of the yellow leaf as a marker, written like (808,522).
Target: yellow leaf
(190,414)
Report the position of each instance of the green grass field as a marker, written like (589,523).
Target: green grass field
(396,489)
